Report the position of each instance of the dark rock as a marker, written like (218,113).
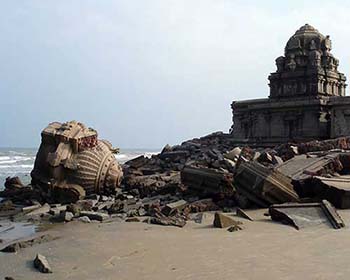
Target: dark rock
(7,206)
(41,264)
(13,182)
(132,219)
(234,228)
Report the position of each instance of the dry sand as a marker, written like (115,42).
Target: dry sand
(120,250)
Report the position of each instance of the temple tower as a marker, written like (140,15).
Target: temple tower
(307,96)
(307,68)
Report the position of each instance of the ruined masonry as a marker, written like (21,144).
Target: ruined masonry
(307,96)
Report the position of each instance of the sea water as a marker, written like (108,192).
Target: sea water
(20,161)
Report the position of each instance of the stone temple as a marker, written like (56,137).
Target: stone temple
(307,96)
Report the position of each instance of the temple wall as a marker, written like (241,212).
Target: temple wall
(340,117)
(279,122)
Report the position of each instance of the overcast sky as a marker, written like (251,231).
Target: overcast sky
(145,73)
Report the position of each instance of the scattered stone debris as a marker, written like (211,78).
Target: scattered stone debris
(41,264)
(234,228)
(17,245)
(204,174)
(207,181)
(98,216)
(223,221)
(263,186)
(170,208)
(302,215)
(132,219)
(243,214)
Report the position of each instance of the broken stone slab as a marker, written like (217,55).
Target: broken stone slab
(98,216)
(137,162)
(174,155)
(168,221)
(103,205)
(302,215)
(243,214)
(84,219)
(262,185)
(233,154)
(207,180)
(39,211)
(223,221)
(160,219)
(31,208)
(334,189)
(174,206)
(201,205)
(41,264)
(303,167)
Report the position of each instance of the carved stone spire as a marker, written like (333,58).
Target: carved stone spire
(307,67)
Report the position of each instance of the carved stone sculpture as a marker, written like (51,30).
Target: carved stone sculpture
(71,159)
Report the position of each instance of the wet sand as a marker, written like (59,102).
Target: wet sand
(120,250)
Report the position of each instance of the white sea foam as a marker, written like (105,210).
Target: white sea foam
(16,166)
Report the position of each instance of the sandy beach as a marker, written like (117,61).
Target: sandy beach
(120,250)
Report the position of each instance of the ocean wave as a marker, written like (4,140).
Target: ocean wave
(17,166)
(16,158)
(2,158)
(17,153)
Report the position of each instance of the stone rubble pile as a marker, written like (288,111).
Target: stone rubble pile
(205,174)
(210,173)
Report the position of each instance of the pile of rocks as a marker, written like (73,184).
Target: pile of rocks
(204,174)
